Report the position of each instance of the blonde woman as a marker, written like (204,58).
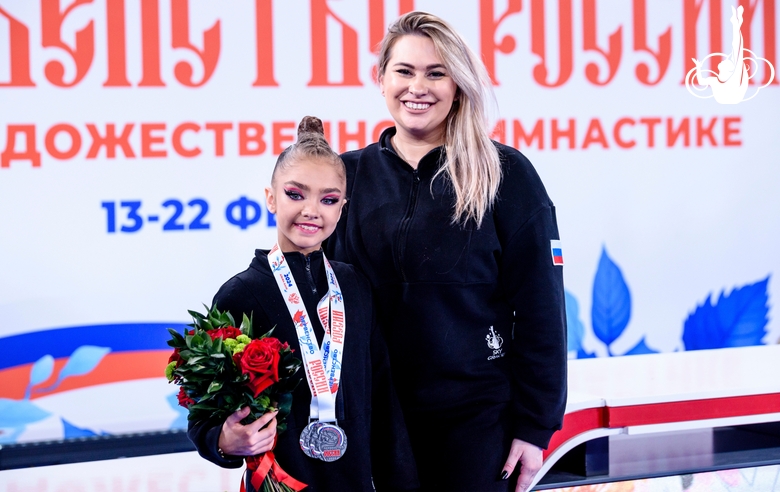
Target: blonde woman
(455,233)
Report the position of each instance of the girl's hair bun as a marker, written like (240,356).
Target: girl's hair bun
(310,124)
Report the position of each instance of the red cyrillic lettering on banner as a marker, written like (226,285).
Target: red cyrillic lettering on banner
(110,141)
(279,139)
(117,55)
(770,50)
(178,146)
(595,134)
(691,11)
(19,56)
(565,51)
(673,134)
(180,38)
(376,20)
(590,44)
(379,128)
(705,131)
(664,53)
(147,140)
(536,134)
(488,25)
(557,133)
(377,25)
(264,44)
(29,154)
(729,132)
(650,123)
(219,130)
(52,20)
(150,44)
(359,137)
(320,12)
(251,133)
(626,144)
(75,141)
(499,132)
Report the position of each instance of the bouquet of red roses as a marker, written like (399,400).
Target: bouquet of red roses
(221,368)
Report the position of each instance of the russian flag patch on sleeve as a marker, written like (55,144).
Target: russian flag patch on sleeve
(557,252)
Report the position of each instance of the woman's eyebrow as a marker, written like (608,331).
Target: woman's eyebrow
(429,67)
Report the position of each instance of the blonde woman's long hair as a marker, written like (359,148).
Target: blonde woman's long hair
(472,162)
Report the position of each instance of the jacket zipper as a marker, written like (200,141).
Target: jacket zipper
(407,221)
(310,277)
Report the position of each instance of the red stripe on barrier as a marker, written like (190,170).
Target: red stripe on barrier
(576,423)
(682,411)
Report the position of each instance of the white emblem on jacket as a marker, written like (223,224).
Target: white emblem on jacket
(494,341)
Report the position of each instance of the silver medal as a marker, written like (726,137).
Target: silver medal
(305,440)
(328,441)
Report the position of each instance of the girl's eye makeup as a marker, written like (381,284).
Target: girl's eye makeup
(293,194)
(331,199)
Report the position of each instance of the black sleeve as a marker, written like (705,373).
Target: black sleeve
(204,434)
(392,460)
(534,287)
(233,297)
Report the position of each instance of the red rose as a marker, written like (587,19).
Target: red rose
(184,400)
(227,332)
(260,361)
(175,357)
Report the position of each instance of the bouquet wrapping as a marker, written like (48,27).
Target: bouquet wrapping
(220,369)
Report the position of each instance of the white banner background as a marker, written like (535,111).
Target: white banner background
(681,222)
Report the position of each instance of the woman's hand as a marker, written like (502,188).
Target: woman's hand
(247,440)
(530,458)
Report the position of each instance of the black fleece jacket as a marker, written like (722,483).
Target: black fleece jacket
(366,406)
(439,287)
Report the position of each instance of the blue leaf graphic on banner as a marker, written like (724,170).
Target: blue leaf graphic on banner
(70,431)
(641,348)
(39,373)
(181,420)
(738,319)
(41,370)
(575,330)
(16,413)
(611,308)
(83,360)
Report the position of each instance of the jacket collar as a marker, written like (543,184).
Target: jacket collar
(428,165)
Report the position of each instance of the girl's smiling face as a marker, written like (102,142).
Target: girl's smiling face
(307,197)
(418,89)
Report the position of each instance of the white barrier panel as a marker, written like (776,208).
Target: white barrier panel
(136,137)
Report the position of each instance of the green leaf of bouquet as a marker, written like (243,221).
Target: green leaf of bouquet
(215,386)
(268,333)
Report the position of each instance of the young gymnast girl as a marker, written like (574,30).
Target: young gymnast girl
(294,289)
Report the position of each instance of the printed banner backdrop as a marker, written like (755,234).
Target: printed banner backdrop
(137,136)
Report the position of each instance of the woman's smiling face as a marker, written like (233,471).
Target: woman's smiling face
(307,197)
(418,89)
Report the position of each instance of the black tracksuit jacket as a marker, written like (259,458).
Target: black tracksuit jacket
(439,287)
(366,407)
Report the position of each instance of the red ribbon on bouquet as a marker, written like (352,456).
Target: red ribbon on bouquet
(261,466)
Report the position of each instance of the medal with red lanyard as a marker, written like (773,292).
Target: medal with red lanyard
(322,438)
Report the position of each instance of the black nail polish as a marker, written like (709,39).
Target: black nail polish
(504,475)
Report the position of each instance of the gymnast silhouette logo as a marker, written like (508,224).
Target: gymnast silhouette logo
(494,341)
(730,84)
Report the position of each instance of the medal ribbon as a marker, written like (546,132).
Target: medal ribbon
(322,366)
